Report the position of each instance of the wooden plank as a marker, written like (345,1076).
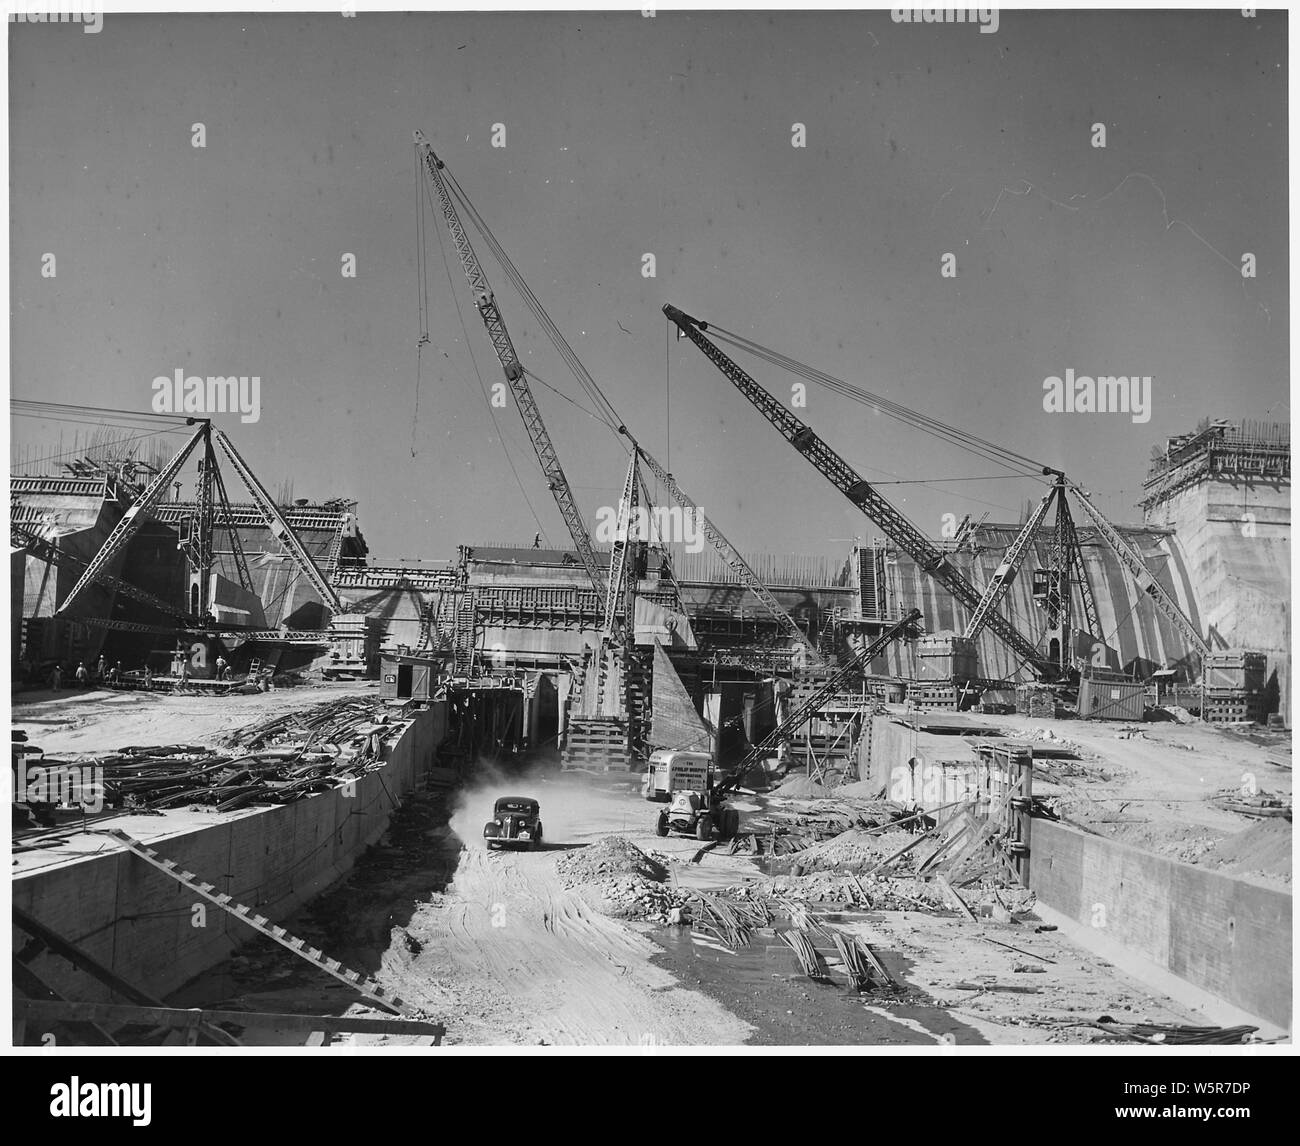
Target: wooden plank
(96,970)
(900,853)
(1018,950)
(120,1013)
(38,991)
(956,900)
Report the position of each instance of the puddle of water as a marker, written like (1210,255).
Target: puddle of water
(763,985)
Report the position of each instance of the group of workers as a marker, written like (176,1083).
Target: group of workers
(106,674)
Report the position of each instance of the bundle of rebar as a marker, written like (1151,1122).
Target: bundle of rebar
(810,959)
(732,922)
(1170,1034)
(855,962)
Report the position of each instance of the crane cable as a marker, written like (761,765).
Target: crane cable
(962,439)
(421,293)
(469,346)
(580,373)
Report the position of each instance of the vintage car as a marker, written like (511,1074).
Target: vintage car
(516,820)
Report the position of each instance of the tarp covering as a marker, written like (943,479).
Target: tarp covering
(674,723)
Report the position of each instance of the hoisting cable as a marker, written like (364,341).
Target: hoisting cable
(421,292)
(583,377)
(962,439)
(469,346)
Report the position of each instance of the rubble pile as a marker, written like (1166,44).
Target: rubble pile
(801,788)
(629,883)
(854,851)
(866,892)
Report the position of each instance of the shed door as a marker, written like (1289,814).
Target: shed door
(420,682)
(403,681)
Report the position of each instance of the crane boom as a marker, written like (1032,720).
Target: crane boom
(512,367)
(1146,581)
(134,517)
(735,562)
(20,537)
(280,529)
(1005,573)
(618,551)
(816,699)
(849,482)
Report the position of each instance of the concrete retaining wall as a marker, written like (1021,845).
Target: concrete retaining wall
(132,918)
(920,767)
(1226,936)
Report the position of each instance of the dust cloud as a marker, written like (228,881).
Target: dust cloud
(572,812)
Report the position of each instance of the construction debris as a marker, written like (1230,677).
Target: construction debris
(627,882)
(284,759)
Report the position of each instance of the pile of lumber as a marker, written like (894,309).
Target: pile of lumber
(283,759)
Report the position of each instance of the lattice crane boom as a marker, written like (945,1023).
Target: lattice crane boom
(134,517)
(280,529)
(1145,579)
(499,336)
(1005,573)
(833,684)
(849,482)
(618,552)
(20,537)
(735,562)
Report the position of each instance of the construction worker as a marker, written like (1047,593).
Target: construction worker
(221,668)
(83,677)
(99,668)
(115,673)
(185,675)
(56,678)
(148,677)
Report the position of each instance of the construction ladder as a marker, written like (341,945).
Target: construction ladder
(364,985)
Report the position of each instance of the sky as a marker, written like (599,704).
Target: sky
(671,136)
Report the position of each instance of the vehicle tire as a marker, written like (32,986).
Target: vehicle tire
(704,828)
(724,824)
(661,824)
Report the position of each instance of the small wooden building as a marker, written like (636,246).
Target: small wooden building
(409,677)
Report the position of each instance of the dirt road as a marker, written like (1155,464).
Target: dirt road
(510,957)
(495,946)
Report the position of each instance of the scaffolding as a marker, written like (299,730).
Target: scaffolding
(1250,450)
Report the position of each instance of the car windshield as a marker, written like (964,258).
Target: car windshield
(510,805)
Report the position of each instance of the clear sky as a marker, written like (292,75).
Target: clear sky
(671,136)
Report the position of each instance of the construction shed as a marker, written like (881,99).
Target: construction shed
(403,677)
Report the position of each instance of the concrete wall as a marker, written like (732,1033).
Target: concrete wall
(920,767)
(1226,936)
(1234,540)
(132,918)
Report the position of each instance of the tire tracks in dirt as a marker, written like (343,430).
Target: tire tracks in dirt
(519,959)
